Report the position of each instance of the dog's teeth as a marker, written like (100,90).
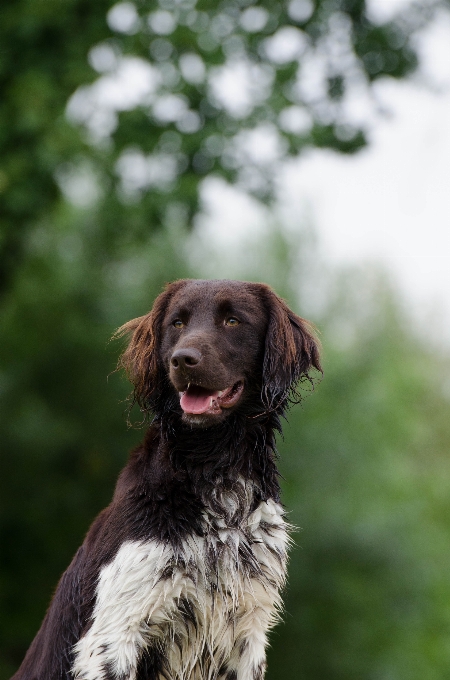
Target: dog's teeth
(219,394)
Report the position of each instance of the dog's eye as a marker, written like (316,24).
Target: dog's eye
(232,321)
(178,323)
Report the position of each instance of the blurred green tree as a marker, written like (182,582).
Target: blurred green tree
(167,94)
(367,478)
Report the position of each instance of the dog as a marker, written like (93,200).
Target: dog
(180,577)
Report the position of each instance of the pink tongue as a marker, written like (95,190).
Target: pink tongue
(197,399)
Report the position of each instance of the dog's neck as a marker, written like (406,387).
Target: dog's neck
(215,460)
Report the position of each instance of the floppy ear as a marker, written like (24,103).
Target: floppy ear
(141,358)
(291,351)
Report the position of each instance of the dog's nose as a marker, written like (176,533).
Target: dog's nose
(185,358)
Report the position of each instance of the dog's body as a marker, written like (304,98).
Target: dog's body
(180,577)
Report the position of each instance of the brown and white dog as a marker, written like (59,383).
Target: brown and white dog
(179,578)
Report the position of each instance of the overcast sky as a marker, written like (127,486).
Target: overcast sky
(389,203)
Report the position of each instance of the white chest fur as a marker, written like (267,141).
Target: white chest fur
(206,606)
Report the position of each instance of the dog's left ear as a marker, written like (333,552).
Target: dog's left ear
(141,360)
(291,351)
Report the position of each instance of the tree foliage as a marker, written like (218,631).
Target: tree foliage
(166,94)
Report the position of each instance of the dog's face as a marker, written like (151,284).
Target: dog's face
(212,344)
(218,344)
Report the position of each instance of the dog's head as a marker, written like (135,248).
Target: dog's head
(219,346)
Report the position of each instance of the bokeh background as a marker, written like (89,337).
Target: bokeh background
(273,141)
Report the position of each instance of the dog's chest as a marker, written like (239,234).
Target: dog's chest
(190,607)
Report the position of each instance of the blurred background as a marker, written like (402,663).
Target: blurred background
(304,143)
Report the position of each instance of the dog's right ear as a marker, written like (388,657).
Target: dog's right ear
(141,360)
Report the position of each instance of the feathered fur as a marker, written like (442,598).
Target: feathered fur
(180,577)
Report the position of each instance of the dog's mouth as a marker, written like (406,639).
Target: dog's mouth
(197,400)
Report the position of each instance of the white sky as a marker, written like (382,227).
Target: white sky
(391,202)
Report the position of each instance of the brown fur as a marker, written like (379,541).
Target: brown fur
(291,345)
(177,473)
